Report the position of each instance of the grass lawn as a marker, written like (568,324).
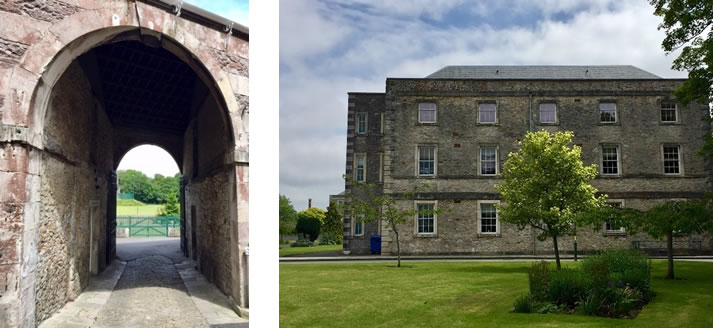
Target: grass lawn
(466,294)
(288,251)
(142,210)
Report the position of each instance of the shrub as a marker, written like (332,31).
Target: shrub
(523,304)
(539,277)
(567,287)
(302,242)
(328,238)
(309,226)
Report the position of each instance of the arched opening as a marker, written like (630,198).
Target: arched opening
(128,88)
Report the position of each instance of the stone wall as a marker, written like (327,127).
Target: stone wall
(458,137)
(75,164)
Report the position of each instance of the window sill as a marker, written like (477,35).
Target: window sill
(614,233)
(608,123)
(487,124)
(426,124)
(426,176)
(669,123)
(489,235)
(673,175)
(426,235)
(548,124)
(610,176)
(488,176)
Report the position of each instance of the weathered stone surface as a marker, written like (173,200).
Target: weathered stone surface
(231,63)
(48,10)
(11,52)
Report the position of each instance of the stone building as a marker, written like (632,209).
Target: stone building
(453,130)
(81,83)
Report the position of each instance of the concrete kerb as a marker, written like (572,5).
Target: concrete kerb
(378,258)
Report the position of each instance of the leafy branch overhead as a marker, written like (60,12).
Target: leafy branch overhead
(688,26)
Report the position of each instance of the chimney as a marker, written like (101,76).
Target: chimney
(309,203)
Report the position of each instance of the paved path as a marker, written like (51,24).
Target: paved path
(309,259)
(157,287)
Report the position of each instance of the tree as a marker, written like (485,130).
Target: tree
(546,186)
(288,216)
(366,204)
(333,223)
(688,25)
(664,220)
(137,183)
(309,222)
(171,208)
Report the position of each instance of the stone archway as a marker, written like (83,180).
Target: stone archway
(48,147)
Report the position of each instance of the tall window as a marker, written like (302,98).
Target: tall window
(426,161)
(360,167)
(427,113)
(548,113)
(610,160)
(610,226)
(486,112)
(671,159)
(607,112)
(668,112)
(358,225)
(361,123)
(488,161)
(426,221)
(488,218)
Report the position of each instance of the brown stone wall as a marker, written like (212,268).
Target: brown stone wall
(75,164)
(212,197)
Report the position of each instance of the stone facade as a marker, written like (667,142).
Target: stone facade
(60,146)
(457,136)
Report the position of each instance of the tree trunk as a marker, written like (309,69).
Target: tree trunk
(669,246)
(557,252)
(398,249)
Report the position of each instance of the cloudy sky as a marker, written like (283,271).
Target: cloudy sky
(151,159)
(331,47)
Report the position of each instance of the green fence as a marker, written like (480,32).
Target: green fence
(148,226)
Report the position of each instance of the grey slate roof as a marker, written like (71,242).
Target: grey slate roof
(545,72)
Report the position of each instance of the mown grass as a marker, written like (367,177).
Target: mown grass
(129,202)
(142,210)
(466,294)
(289,251)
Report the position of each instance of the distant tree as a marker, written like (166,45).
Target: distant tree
(366,204)
(334,223)
(171,208)
(165,186)
(288,216)
(546,186)
(139,184)
(309,222)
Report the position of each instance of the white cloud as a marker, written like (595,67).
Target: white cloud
(328,50)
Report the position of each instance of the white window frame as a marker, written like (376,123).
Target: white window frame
(435,219)
(675,112)
(599,113)
(435,161)
(381,167)
(618,159)
(480,218)
(356,167)
(540,112)
(680,159)
(619,231)
(480,161)
(355,223)
(496,112)
(435,113)
(381,127)
(366,123)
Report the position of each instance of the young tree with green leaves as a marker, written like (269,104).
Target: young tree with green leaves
(171,208)
(310,221)
(288,216)
(333,223)
(366,204)
(546,186)
(662,221)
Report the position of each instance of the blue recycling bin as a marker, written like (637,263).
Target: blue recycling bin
(375,244)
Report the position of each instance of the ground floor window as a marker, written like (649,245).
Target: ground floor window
(426,218)
(610,226)
(488,218)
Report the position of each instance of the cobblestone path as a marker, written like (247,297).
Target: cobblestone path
(156,287)
(150,293)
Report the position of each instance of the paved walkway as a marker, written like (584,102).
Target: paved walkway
(155,287)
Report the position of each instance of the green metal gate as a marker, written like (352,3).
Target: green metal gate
(148,226)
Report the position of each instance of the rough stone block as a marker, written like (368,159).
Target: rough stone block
(11,52)
(14,158)
(13,185)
